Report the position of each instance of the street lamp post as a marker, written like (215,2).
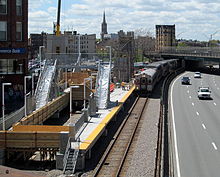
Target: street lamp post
(33,74)
(40,54)
(66,83)
(25,94)
(71,95)
(110,53)
(85,79)
(3,104)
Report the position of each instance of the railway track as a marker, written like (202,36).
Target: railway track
(113,162)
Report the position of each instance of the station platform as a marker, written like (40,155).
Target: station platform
(94,128)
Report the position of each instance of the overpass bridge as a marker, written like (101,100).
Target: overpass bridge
(207,54)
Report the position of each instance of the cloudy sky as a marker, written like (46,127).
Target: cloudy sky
(194,19)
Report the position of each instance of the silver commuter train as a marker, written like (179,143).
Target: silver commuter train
(146,79)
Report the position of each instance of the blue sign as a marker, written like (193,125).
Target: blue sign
(13,50)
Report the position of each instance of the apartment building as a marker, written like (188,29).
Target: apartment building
(165,36)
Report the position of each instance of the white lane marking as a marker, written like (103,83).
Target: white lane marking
(187,86)
(190,97)
(174,130)
(203,126)
(218,88)
(197,113)
(187,91)
(215,147)
(193,104)
(214,104)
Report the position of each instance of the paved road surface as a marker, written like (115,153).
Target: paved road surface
(197,127)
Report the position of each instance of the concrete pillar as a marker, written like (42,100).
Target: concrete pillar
(183,63)
(86,115)
(2,157)
(72,132)
(59,161)
(92,105)
(64,136)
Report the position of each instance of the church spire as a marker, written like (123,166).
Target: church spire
(104,17)
(103,27)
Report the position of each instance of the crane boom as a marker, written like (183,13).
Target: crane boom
(58,19)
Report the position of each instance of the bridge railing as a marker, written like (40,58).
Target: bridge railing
(192,51)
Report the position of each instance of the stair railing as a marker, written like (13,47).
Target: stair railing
(66,154)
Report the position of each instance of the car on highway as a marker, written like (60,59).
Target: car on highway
(197,75)
(204,93)
(185,80)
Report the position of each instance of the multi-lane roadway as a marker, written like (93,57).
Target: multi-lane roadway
(195,127)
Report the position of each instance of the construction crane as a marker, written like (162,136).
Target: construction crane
(57,28)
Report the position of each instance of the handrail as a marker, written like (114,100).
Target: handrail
(66,154)
(97,77)
(75,155)
(54,70)
(39,79)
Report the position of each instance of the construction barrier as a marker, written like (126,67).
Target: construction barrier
(11,139)
(40,128)
(112,87)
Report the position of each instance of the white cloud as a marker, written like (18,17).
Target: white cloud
(191,17)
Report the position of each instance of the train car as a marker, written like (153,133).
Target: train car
(146,78)
(173,64)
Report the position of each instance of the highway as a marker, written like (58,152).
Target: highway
(195,127)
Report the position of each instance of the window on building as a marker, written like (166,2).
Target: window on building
(57,49)
(19,7)
(18,31)
(11,66)
(3,66)
(3,31)
(3,6)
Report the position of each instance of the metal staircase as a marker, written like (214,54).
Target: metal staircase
(71,162)
(103,84)
(70,159)
(44,84)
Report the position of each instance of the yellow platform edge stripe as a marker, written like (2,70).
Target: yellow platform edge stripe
(85,145)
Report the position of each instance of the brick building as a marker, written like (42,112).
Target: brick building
(13,45)
(165,36)
(124,64)
(36,40)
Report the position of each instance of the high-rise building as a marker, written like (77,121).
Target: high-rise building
(165,36)
(103,27)
(13,45)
